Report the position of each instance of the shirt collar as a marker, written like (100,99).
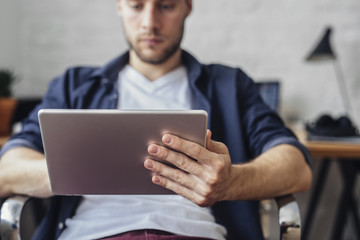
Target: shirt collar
(112,69)
(198,84)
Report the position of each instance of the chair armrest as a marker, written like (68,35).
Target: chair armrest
(289,217)
(10,215)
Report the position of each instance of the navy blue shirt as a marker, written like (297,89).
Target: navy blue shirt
(238,117)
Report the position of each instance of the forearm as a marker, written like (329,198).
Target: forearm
(279,171)
(24,171)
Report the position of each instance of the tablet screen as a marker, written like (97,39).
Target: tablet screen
(102,151)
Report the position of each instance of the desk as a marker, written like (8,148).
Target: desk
(347,156)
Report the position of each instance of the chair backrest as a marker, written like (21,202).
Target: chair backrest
(24,107)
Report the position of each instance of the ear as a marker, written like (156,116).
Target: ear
(189,5)
(119,7)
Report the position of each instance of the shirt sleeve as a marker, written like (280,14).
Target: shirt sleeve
(263,126)
(17,142)
(291,141)
(30,135)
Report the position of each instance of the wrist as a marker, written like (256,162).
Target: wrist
(241,185)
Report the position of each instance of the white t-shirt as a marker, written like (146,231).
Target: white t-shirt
(101,216)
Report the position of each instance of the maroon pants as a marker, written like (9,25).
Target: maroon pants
(149,234)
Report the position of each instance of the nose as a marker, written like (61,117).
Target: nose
(150,18)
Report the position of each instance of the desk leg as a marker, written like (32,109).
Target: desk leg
(346,200)
(315,196)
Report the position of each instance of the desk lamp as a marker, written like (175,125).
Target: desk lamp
(326,125)
(323,52)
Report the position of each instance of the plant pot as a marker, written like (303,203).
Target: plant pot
(7,108)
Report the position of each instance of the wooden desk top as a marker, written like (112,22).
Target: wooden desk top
(330,149)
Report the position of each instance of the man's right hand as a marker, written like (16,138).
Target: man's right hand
(24,171)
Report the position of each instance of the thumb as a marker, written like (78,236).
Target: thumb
(208,138)
(214,146)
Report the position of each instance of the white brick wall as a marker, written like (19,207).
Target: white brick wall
(268,39)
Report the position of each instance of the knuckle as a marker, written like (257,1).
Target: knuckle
(207,193)
(163,153)
(223,148)
(177,176)
(195,150)
(182,163)
(211,179)
(202,202)
(222,145)
(156,168)
(165,183)
(220,166)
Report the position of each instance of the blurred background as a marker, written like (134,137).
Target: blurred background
(269,40)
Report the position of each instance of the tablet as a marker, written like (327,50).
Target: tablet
(103,151)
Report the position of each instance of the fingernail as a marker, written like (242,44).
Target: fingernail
(153,149)
(148,164)
(167,139)
(156,179)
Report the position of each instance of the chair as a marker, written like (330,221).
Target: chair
(12,223)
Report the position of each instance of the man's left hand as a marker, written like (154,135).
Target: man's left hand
(203,174)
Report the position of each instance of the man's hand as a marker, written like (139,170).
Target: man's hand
(206,175)
(203,175)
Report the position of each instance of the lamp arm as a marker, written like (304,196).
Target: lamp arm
(345,97)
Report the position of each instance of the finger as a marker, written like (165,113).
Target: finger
(181,190)
(215,146)
(175,158)
(178,176)
(202,183)
(191,149)
(208,138)
(174,174)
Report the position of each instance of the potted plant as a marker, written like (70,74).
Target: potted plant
(7,102)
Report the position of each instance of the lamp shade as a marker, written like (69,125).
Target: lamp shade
(323,50)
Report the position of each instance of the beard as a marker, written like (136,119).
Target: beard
(159,58)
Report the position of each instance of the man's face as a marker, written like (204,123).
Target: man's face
(154,28)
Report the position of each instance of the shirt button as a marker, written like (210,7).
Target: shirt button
(61,225)
(105,80)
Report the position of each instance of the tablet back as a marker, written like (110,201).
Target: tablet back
(102,151)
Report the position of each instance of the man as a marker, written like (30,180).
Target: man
(254,157)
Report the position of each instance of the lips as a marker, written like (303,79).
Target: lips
(151,41)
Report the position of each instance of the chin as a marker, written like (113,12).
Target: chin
(156,55)
(153,58)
